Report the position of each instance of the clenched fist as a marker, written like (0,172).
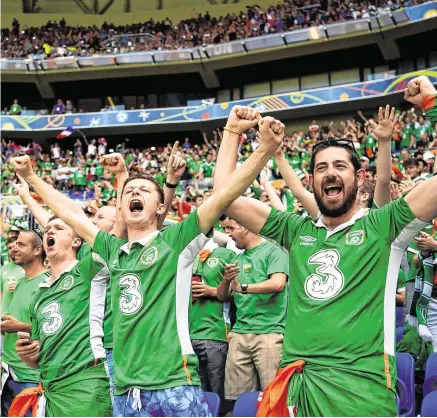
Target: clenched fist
(22,166)
(272,132)
(419,88)
(114,163)
(242,118)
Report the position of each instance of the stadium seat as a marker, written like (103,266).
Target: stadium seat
(430,383)
(214,403)
(405,386)
(399,316)
(399,333)
(429,405)
(245,406)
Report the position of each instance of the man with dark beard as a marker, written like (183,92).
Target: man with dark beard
(339,346)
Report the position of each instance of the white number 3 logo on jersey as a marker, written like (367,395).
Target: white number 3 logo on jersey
(53,318)
(131,298)
(329,280)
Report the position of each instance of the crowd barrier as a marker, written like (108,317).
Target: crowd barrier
(206,112)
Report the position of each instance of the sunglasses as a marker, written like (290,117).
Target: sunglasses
(333,142)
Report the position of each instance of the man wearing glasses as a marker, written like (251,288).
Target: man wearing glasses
(28,253)
(339,346)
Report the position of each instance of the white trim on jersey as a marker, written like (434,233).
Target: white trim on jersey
(183,290)
(397,249)
(97,307)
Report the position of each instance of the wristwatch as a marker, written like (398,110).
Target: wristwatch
(244,287)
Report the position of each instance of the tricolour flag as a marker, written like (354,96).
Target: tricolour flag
(65,133)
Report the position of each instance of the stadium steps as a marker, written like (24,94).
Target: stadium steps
(65,6)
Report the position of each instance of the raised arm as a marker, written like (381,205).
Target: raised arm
(175,169)
(303,195)
(272,132)
(423,198)
(39,213)
(62,206)
(271,193)
(383,132)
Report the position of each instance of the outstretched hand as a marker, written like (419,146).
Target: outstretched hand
(419,88)
(22,166)
(176,165)
(114,163)
(383,131)
(242,118)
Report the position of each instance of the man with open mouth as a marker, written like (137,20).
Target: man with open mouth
(339,342)
(155,367)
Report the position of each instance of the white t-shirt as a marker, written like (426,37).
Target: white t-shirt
(102,149)
(92,149)
(56,152)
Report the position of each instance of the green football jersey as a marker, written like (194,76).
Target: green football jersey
(10,273)
(83,252)
(79,178)
(402,280)
(370,142)
(295,162)
(261,313)
(19,309)
(412,250)
(207,321)
(67,317)
(341,311)
(150,294)
(208,169)
(407,134)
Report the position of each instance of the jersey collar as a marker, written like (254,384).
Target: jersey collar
(51,279)
(146,240)
(360,214)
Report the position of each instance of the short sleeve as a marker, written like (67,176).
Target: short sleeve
(84,250)
(180,235)
(277,262)
(106,245)
(281,227)
(396,223)
(93,267)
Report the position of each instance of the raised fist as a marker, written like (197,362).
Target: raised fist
(22,166)
(242,118)
(272,132)
(419,88)
(176,165)
(114,163)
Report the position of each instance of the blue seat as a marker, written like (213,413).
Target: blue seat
(245,406)
(400,316)
(213,401)
(399,333)
(405,386)
(430,383)
(429,405)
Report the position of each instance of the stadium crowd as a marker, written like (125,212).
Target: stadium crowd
(58,39)
(218,302)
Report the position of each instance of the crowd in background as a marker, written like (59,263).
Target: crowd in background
(58,39)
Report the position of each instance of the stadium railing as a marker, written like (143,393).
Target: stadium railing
(286,39)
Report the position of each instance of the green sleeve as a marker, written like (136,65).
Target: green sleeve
(179,235)
(396,221)
(281,227)
(34,333)
(84,250)
(93,267)
(277,262)
(402,279)
(106,245)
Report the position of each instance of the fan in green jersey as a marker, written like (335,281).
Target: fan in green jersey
(16,374)
(339,341)
(150,275)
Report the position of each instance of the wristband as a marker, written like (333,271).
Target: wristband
(429,105)
(171,186)
(230,130)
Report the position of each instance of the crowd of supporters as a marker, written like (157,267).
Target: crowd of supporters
(58,39)
(260,257)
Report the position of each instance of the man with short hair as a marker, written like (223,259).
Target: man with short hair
(16,375)
(260,296)
(170,386)
(66,343)
(344,270)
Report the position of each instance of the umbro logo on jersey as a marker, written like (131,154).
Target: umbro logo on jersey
(149,256)
(355,237)
(246,270)
(307,241)
(67,283)
(212,262)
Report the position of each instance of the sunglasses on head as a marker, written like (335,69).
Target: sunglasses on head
(343,142)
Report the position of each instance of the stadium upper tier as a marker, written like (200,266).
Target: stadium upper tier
(286,106)
(152,53)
